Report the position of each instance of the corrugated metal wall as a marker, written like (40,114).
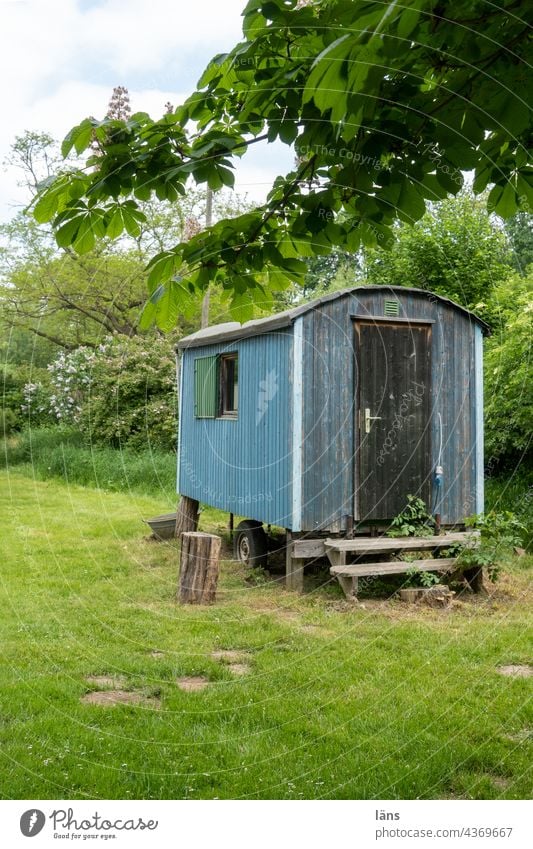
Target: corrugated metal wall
(242,465)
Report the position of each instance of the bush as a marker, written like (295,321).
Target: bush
(508,384)
(15,379)
(514,493)
(121,394)
(132,397)
(499,534)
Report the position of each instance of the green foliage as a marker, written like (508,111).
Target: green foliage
(513,492)
(12,399)
(455,250)
(384,118)
(15,378)
(413,521)
(508,369)
(323,272)
(519,229)
(65,298)
(74,300)
(499,533)
(414,577)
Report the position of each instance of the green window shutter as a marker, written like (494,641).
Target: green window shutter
(205,387)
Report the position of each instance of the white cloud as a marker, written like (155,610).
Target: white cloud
(133,35)
(60,59)
(83,99)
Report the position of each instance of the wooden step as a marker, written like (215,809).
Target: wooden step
(380,545)
(364,570)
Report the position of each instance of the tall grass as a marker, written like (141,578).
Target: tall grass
(61,453)
(513,491)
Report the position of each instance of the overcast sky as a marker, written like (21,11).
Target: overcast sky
(60,59)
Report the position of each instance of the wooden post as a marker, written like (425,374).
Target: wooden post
(349,586)
(187,515)
(199,568)
(294,567)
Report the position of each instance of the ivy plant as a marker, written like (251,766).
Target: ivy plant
(413,521)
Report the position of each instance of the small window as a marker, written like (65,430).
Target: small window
(229,384)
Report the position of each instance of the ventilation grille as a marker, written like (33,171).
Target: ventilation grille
(392,308)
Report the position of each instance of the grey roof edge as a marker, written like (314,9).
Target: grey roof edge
(232,331)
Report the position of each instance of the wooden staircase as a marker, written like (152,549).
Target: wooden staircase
(348,575)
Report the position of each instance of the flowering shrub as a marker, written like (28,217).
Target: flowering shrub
(132,394)
(121,393)
(70,378)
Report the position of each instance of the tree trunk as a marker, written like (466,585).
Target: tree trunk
(199,568)
(187,515)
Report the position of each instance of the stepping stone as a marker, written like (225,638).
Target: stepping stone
(522,736)
(110,681)
(229,656)
(516,670)
(110,698)
(193,683)
(239,668)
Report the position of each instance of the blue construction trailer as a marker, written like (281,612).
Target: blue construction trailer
(323,418)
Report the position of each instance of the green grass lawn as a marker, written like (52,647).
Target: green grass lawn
(380,701)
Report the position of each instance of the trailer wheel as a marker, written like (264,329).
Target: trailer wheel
(250,544)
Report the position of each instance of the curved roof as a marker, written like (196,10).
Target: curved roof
(231,330)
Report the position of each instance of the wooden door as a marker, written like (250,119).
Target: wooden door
(394,366)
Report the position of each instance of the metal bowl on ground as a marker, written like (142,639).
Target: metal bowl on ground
(164,526)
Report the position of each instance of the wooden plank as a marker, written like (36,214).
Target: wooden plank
(308,548)
(360,570)
(314,548)
(383,319)
(384,544)
(295,577)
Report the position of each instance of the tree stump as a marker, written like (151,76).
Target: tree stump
(199,568)
(187,515)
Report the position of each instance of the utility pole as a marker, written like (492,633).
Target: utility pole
(208,221)
(187,512)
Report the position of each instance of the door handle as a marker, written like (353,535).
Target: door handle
(369,418)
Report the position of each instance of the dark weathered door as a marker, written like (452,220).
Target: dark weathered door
(394,370)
